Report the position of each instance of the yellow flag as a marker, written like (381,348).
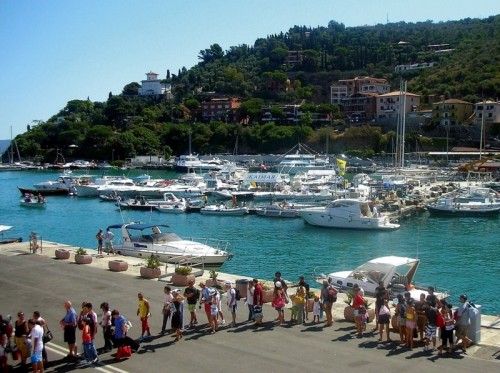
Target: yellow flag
(341,164)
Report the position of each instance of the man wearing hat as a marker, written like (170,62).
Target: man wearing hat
(205,299)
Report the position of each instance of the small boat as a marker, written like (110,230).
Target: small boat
(223,211)
(462,207)
(347,213)
(278,211)
(396,273)
(179,208)
(141,240)
(33,202)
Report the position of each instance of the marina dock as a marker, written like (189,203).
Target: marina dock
(65,272)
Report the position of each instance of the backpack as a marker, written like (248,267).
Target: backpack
(402,310)
(440,320)
(331,295)
(237,295)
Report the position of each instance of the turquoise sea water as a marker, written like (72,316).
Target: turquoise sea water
(458,254)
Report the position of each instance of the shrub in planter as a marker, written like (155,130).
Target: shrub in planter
(152,267)
(182,276)
(81,256)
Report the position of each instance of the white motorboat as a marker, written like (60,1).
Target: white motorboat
(223,211)
(93,189)
(141,240)
(33,202)
(142,203)
(65,183)
(396,273)
(346,213)
(278,211)
(179,208)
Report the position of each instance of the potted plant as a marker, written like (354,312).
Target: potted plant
(182,276)
(349,310)
(81,256)
(117,265)
(310,301)
(152,267)
(268,292)
(212,281)
(62,254)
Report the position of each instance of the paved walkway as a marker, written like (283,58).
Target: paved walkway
(99,284)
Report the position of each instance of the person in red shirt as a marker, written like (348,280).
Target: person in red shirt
(258,300)
(358,303)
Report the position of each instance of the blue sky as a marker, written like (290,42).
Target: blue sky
(54,51)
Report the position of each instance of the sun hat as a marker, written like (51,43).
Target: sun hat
(277,284)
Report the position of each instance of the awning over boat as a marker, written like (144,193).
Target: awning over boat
(4,227)
(394,260)
(267,177)
(138,226)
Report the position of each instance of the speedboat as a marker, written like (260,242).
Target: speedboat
(346,213)
(278,211)
(33,202)
(223,211)
(396,273)
(141,240)
(7,240)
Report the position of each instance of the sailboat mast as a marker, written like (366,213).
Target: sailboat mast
(482,130)
(403,125)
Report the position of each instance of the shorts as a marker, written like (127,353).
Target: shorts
(191,307)
(207,307)
(356,313)
(214,310)
(462,330)
(384,319)
(401,321)
(411,324)
(70,334)
(36,358)
(233,308)
(430,331)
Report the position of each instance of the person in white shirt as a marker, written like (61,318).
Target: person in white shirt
(108,241)
(231,302)
(36,345)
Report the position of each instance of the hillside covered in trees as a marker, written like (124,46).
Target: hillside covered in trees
(128,124)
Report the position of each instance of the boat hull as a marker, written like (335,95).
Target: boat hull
(33,205)
(44,192)
(462,212)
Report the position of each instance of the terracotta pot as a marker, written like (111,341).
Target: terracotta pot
(394,322)
(371,315)
(150,272)
(83,259)
(310,305)
(210,282)
(349,314)
(181,280)
(62,254)
(268,296)
(117,265)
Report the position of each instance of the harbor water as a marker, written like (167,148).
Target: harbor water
(457,254)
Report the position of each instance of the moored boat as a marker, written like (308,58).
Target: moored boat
(141,240)
(223,211)
(347,213)
(457,207)
(395,272)
(277,211)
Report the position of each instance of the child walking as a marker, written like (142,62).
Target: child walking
(316,309)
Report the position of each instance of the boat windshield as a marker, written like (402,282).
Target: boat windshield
(156,237)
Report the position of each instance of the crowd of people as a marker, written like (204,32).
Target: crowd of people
(425,317)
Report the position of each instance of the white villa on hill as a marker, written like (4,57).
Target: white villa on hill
(153,86)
